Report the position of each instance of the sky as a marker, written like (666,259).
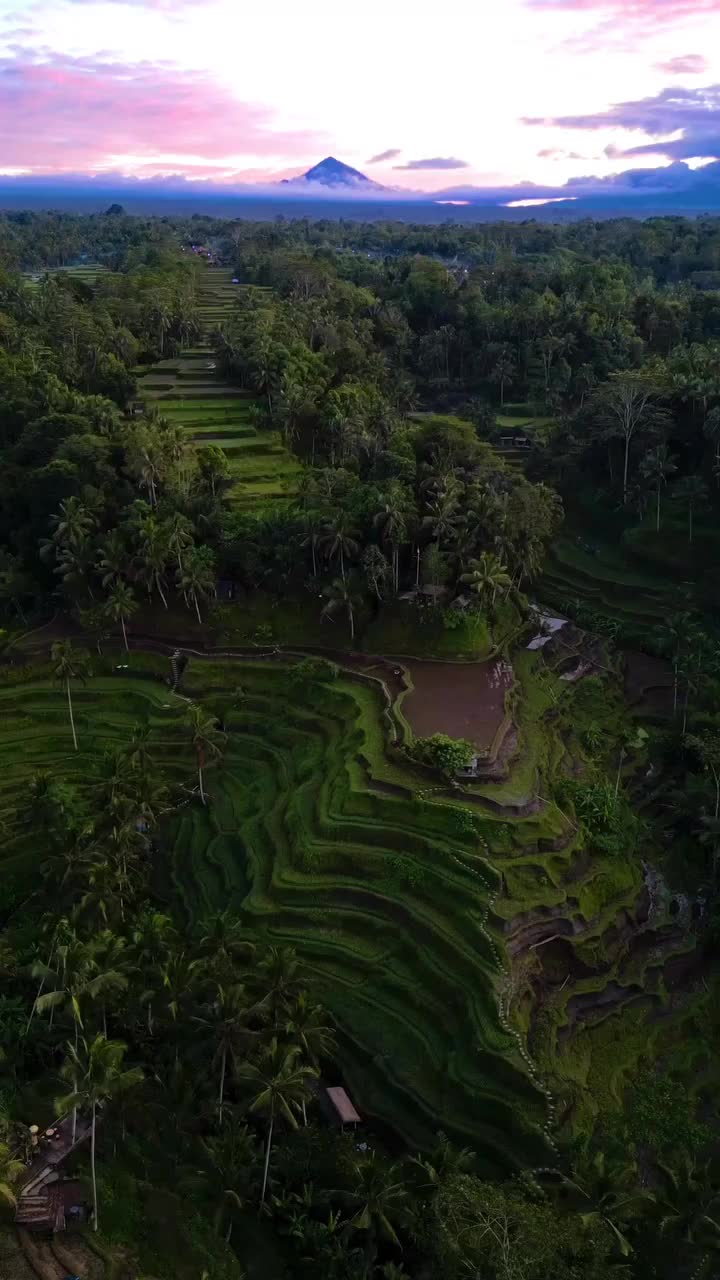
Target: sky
(420,96)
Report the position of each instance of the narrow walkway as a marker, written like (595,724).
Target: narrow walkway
(41,1203)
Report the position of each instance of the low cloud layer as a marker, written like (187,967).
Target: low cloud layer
(694,113)
(434,162)
(391,154)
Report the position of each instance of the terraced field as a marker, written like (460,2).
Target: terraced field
(323,842)
(212,412)
(86,272)
(606,582)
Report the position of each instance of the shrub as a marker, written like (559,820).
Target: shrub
(317,669)
(449,755)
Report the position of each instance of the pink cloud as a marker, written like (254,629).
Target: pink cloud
(644,10)
(73,114)
(623,24)
(688,64)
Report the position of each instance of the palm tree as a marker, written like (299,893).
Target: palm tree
(693,490)
(226,1019)
(153,937)
(207,739)
(606,1195)
(227,1168)
(68,665)
(153,556)
(120,606)
(113,562)
(391,522)
(503,371)
(280,974)
(179,536)
(72,525)
(196,578)
(487,575)
(656,466)
(379,1197)
(279,1085)
(11,1169)
(95,1071)
(690,1208)
(711,431)
(339,539)
(339,597)
(308,1028)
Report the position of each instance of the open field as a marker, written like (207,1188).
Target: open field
(191,394)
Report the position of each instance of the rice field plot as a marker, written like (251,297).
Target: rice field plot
(387,897)
(191,394)
(87,272)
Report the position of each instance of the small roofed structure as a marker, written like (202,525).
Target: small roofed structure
(342,1107)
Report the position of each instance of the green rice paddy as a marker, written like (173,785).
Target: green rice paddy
(263,471)
(386,895)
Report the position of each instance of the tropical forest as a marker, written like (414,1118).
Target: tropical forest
(359,749)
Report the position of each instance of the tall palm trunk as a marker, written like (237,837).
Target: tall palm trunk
(72,718)
(200,779)
(268,1145)
(94,1173)
(221,1095)
(197,607)
(122,624)
(657,522)
(159,587)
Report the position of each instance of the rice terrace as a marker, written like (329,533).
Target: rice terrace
(359,765)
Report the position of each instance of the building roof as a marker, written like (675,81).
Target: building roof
(343,1105)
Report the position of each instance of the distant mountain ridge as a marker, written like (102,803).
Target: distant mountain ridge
(334,173)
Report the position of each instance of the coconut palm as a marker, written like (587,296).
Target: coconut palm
(180,536)
(68,665)
(152,558)
(279,1085)
(379,1197)
(280,975)
(120,606)
(95,1070)
(197,578)
(340,598)
(152,940)
(72,525)
(711,431)
(226,1020)
(339,539)
(655,467)
(391,523)
(689,1209)
(607,1195)
(487,576)
(693,491)
(113,563)
(207,739)
(227,1169)
(307,1027)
